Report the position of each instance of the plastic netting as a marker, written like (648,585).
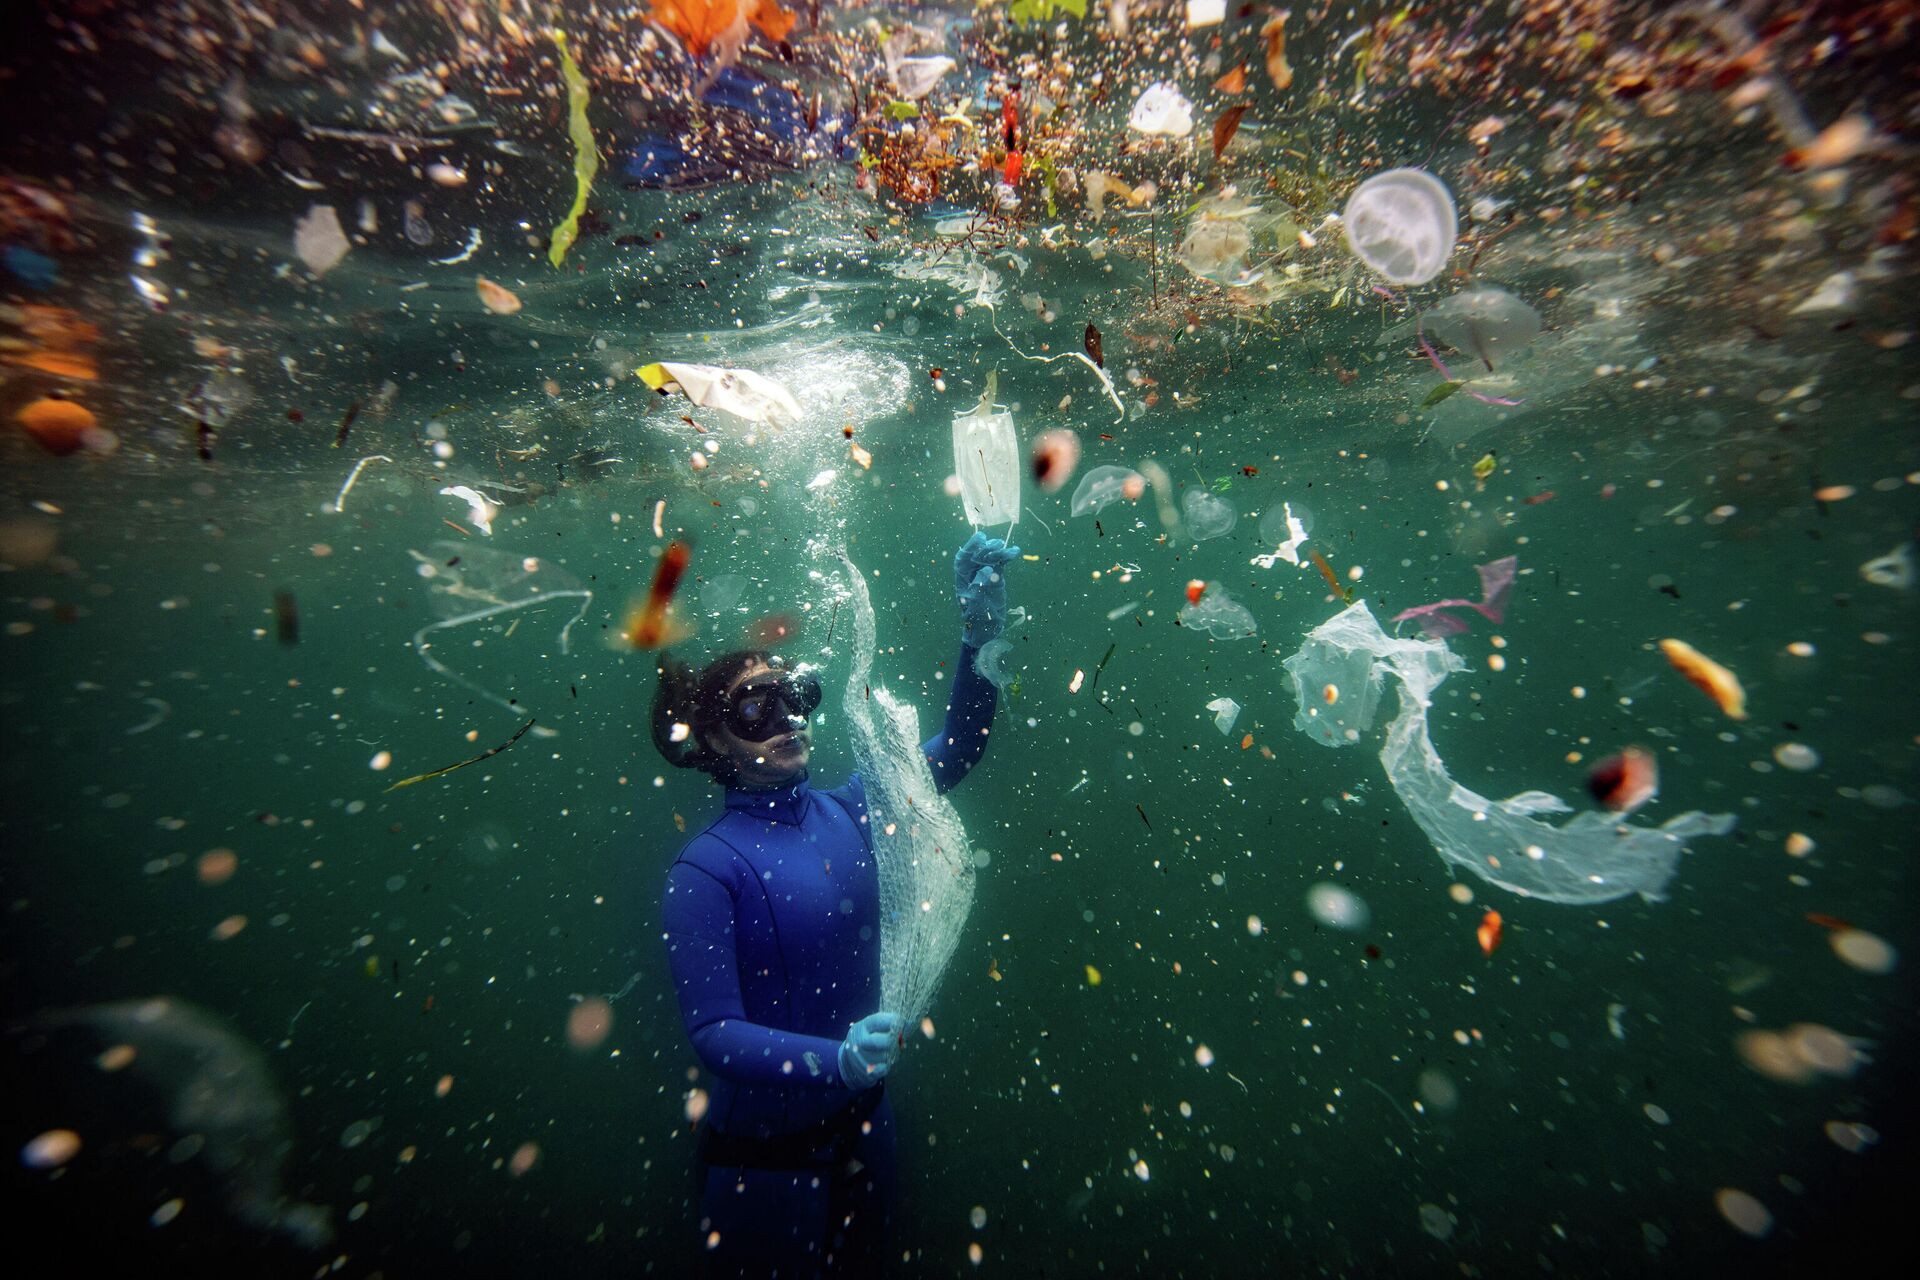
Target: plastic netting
(926,869)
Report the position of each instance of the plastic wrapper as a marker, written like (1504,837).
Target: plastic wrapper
(1338,676)
(1163,112)
(741,392)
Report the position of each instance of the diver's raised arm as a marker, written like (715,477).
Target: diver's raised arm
(980,585)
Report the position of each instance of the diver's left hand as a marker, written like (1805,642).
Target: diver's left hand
(980,580)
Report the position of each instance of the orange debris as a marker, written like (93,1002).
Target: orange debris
(58,426)
(1491,932)
(1708,676)
(64,364)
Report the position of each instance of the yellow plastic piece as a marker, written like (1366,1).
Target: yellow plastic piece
(586,160)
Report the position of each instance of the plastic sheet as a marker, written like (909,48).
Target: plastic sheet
(986,456)
(1338,676)
(741,392)
(1225,712)
(926,870)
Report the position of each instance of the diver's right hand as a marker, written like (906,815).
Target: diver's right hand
(868,1052)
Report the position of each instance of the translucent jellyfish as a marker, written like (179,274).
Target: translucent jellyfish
(202,1080)
(991,662)
(1337,908)
(1402,223)
(1217,242)
(1485,322)
(1208,515)
(1104,486)
(1219,615)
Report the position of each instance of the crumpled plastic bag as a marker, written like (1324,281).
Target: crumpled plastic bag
(1162,111)
(1338,676)
(741,392)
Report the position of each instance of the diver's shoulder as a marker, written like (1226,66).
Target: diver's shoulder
(851,792)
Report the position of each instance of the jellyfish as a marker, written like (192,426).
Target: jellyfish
(1219,615)
(1485,322)
(1208,516)
(1217,241)
(1104,486)
(1402,223)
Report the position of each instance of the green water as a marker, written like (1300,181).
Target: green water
(1242,1089)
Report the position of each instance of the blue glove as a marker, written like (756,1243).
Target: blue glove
(867,1054)
(982,586)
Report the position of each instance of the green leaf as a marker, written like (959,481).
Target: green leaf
(1221,485)
(1078,8)
(1441,392)
(901,109)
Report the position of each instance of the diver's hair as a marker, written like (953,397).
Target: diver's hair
(698,701)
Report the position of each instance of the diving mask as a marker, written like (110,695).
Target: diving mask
(772,704)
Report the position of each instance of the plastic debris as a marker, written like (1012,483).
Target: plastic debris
(741,392)
(1055,455)
(1485,322)
(1225,712)
(498,299)
(1207,515)
(1161,111)
(916,77)
(1205,13)
(1707,676)
(986,457)
(1294,534)
(319,240)
(1595,857)
(1894,569)
(1402,223)
(470,585)
(1219,615)
(1103,486)
(480,509)
(926,869)
(1625,781)
(1496,584)
(586,158)
(1274,37)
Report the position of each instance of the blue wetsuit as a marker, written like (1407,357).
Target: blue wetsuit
(772,918)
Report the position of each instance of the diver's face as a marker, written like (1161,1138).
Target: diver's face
(774,761)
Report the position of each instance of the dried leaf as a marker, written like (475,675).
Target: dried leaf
(1093,347)
(1235,81)
(1225,127)
(1279,70)
(496,298)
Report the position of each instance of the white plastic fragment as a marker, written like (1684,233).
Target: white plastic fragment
(917,76)
(480,509)
(1290,549)
(1834,294)
(319,240)
(1162,111)
(741,392)
(1225,712)
(1205,13)
(1894,569)
(822,480)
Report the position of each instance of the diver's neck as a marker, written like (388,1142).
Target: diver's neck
(790,784)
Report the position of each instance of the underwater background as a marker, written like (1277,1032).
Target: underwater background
(443,1011)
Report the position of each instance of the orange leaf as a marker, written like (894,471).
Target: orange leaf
(1235,81)
(1226,126)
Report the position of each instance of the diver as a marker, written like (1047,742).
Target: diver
(772,925)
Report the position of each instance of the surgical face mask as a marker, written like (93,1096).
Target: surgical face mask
(772,704)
